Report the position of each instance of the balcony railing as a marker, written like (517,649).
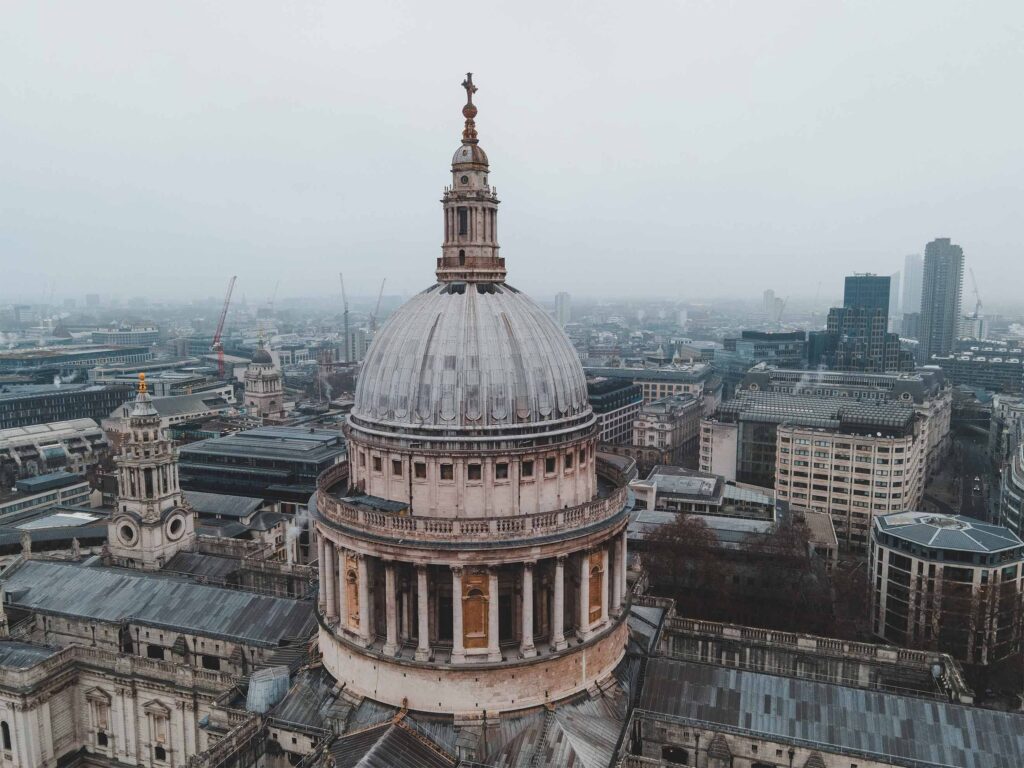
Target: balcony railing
(404,526)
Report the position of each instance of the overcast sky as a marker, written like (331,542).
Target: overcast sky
(684,149)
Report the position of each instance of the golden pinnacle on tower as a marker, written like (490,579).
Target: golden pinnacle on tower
(143,388)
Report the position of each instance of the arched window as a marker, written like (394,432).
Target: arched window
(462,258)
(474,619)
(5,731)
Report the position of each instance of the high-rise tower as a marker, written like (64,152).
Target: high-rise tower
(151,523)
(941,294)
(473,549)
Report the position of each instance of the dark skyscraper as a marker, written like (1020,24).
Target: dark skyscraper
(869,292)
(941,290)
(857,336)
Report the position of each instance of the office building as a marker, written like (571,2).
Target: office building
(852,459)
(941,294)
(987,366)
(23,404)
(616,403)
(70,357)
(947,582)
(667,431)
(276,463)
(128,337)
(857,334)
(739,355)
(76,446)
(35,494)
(913,271)
(563,309)
(697,379)
(895,310)
(926,391)
(1011,491)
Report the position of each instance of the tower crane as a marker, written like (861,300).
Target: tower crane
(217,346)
(344,299)
(977,296)
(376,309)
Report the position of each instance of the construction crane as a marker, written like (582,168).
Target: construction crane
(977,296)
(344,299)
(376,309)
(217,346)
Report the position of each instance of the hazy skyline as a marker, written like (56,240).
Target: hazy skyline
(690,149)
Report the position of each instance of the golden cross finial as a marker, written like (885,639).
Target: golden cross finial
(470,88)
(142,384)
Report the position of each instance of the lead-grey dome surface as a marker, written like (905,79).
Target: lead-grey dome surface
(468,357)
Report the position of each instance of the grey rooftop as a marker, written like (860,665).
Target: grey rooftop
(809,411)
(890,728)
(949,532)
(115,595)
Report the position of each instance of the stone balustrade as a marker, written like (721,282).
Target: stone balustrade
(118,663)
(465,528)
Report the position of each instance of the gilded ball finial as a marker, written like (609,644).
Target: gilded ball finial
(142,383)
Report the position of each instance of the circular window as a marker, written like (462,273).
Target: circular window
(126,532)
(176,527)
(464,179)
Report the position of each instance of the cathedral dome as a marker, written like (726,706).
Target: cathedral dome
(262,357)
(471,357)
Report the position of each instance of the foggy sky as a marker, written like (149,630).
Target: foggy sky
(688,149)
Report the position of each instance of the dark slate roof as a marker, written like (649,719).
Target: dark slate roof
(222,504)
(312,701)
(158,600)
(213,567)
(15,655)
(956,532)
(890,728)
(387,746)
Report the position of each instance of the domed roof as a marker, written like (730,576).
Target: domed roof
(469,154)
(262,357)
(469,357)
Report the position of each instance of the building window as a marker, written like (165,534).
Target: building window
(155,652)
(396,467)
(447,472)
(5,729)
(501,470)
(549,465)
(101,739)
(568,460)
(420,468)
(675,755)
(474,471)
(463,214)
(211,662)
(378,465)
(160,754)
(528,468)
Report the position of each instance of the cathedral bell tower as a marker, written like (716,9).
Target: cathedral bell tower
(470,250)
(151,523)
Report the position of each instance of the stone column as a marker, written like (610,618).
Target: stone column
(493,627)
(604,583)
(342,588)
(422,614)
(329,572)
(526,647)
(558,618)
(458,633)
(583,631)
(390,609)
(617,578)
(365,631)
(625,566)
(406,611)
(321,544)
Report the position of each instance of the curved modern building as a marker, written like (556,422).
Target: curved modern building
(473,549)
(1011,495)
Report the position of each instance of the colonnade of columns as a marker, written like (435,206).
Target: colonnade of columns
(595,584)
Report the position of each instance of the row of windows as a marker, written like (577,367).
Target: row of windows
(474,471)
